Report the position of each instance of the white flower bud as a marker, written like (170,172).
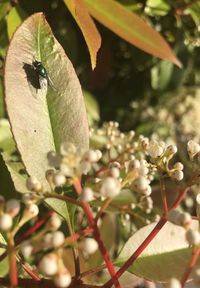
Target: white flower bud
(193,148)
(87,194)
(177,175)
(54,159)
(65,170)
(89,246)
(31,211)
(62,279)
(156,149)
(140,184)
(12,207)
(59,179)
(84,167)
(114,172)
(110,187)
(131,134)
(178,166)
(54,222)
(33,184)
(5,222)
(147,191)
(47,240)
(174,283)
(99,154)
(58,239)
(143,170)
(193,237)
(171,150)
(91,156)
(26,248)
(48,265)
(185,219)
(28,198)
(134,164)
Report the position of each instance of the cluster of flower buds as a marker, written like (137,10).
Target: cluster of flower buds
(11,208)
(50,264)
(112,137)
(162,154)
(70,162)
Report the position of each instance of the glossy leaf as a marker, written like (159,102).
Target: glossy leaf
(165,257)
(42,119)
(87,26)
(131,27)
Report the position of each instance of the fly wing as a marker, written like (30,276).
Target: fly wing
(43,84)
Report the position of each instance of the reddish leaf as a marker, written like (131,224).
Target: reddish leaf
(87,26)
(131,27)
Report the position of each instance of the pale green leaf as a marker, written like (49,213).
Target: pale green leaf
(164,258)
(42,119)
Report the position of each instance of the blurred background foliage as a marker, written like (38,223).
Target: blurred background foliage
(129,86)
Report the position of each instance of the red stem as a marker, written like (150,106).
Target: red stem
(149,238)
(32,274)
(34,228)
(192,262)
(139,250)
(76,236)
(102,248)
(12,262)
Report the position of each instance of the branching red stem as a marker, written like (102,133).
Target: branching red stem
(102,248)
(148,239)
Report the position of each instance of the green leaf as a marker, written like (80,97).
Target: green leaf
(194,11)
(19,176)
(131,27)
(3,38)
(42,119)
(14,19)
(5,6)
(4,267)
(87,26)
(165,257)
(161,75)
(92,107)
(157,7)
